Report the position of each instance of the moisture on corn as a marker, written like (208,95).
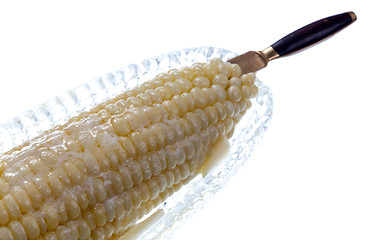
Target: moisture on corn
(95,176)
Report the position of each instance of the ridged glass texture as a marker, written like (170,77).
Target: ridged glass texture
(195,194)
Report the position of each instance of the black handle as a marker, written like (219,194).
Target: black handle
(313,33)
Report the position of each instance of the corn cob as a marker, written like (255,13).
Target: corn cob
(96,175)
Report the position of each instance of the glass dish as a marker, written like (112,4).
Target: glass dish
(169,215)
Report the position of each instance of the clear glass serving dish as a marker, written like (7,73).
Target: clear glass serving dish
(164,220)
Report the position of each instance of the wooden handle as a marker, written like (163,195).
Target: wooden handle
(313,33)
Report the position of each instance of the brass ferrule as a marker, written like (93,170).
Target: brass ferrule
(270,53)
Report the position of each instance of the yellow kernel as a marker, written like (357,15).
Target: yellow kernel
(129,146)
(236,109)
(154,163)
(145,99)
(62,213)
(220,92)
(157,82)
(200,114)
(6,234)
(213,133)
(177,175)
(211,70)
(189,100)
(174,73)
(171,107)
(118,207)
(200,97)
(17,229)
(229,108)
(51,217)
(187,130)
(174,87)
(4,217)
(50,236)
(108,230)
(99,214)
(164,77)
(199,69)
(144,192)
(220,79)
(211,94)
(56,185)
(187,72)
(225,68)
(120,125)
(194,122)
(153,115)
(169,178)
(72,208)
(201,82)
(215,61)
(221,128)
(31,226)
(180,103)
(154,189)
(98,234)
(82,199)
(61,174)
(158,132)
(146,168)
(184,84)
(229,123)
(12,206)
(136,171)
(127,202)
(3,188)
(246,92)
(220,109)
(99,189)
(171,158)
(234,93)
(126,177)
(34,165)
(23,200)
(188,149)
(73,172)
(132,102)
(109,210)
(135,197)
(48,156)
(162,182)
(90,220)
(139,143)
(116,181)
(84,230)
(154,95)
(164,92)
(33,194)
(254,90)
(211,114)
(184,170)
(86,140)
(91,163)
(247,79)
(234,81)
(162,155)
(236,71)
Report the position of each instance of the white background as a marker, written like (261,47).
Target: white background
(312,176)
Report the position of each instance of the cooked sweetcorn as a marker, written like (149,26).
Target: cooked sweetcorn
(95,176)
